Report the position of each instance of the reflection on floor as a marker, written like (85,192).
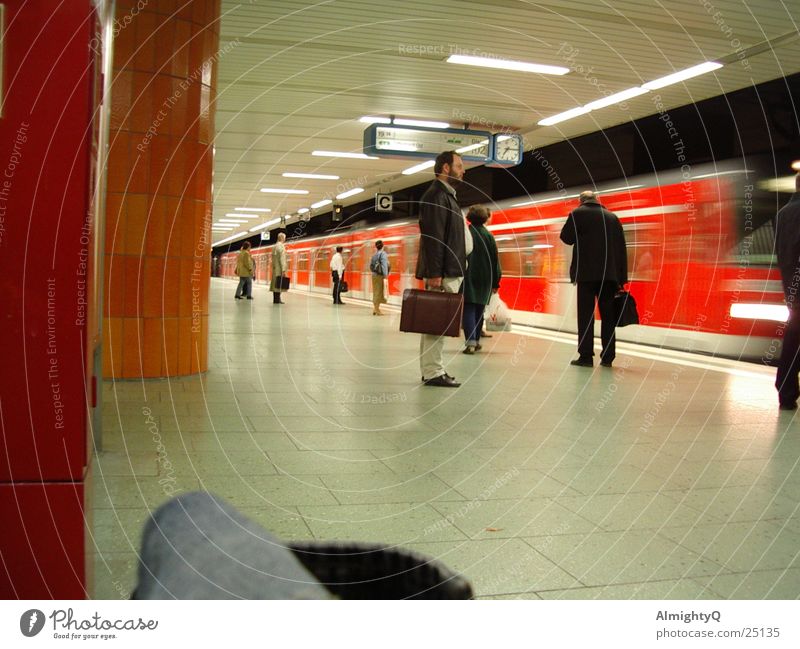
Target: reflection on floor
(535,479)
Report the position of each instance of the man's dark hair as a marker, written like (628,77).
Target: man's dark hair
(246,245)
(444,158)
(379,244)
(339,249)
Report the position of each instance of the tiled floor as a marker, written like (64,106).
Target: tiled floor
(535,479)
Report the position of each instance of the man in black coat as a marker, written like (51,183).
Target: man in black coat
(442,254)
(599,267)
(787,245)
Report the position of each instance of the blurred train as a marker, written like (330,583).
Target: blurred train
(700,258)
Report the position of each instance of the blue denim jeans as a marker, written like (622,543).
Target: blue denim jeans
(198,547)
(245,286)
(472,321)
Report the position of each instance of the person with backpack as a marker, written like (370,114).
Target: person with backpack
(379,265)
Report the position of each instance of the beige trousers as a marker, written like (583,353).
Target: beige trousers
(431,348)
(377,291)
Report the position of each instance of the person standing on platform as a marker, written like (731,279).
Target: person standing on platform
(244,269)
(787,245)
(482,278)
(279,268)
(442,255)
(379,265)
(599,267)
(337,274)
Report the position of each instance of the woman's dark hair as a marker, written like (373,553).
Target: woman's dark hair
(339,249)
(478,214)
(379,244)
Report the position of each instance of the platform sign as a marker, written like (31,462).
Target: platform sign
(390,140)
(383,202)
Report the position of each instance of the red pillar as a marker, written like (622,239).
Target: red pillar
(46,267)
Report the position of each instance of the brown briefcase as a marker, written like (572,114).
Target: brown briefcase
(431,312)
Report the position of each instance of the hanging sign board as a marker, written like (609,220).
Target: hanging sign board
(390,140)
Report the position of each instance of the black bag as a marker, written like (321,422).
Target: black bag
(625,312)
(284,283)
(343,287)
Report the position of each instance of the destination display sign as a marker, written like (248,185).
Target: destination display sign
(391,140)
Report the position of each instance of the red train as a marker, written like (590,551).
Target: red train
(700,258)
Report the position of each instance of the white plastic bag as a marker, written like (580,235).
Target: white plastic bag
(497,315)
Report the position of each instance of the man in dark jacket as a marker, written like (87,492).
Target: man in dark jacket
(442,254)
(787,244)
(599,267)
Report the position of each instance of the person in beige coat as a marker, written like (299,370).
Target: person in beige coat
(244,269)
(280,266)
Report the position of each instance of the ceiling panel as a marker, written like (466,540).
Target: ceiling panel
(294,76)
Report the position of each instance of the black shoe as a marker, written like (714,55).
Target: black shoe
(469,349)
(236,297)
(606,363)
(443,381)
(486,335)
(788,406)
(478,347)
(340,303)
(249,298)
(582,362)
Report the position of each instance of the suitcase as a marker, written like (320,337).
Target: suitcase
(431,312)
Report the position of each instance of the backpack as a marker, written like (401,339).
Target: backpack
(375,264)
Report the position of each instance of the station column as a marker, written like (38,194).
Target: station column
(158,200)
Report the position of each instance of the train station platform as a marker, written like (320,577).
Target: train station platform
(668,476)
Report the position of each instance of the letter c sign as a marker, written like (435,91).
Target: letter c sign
(383,202)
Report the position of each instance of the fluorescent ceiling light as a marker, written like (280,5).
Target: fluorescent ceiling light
(545,200)
(239,215)
(677,77)
(421,122)
(561,117)
(784,184)
(289,174)
(272,190)
(724,173)
(302,210)
(253,209)
(504,64)
(618,189)
(539,246)
(616,98)
(231,238)
(265,225)
(350,192)
(472,147)
(420,167)
(368,119)
(776,312)
(323,203)
(345,154)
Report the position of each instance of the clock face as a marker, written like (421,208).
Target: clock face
(508,148)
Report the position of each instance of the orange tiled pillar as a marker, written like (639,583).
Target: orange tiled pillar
(158,205)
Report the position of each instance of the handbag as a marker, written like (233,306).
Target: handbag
(343,287)
(283,283)
(625,312)
(431,312)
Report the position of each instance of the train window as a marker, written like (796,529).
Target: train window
(322,260)
(758,246)
(411,253)
(302,261)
